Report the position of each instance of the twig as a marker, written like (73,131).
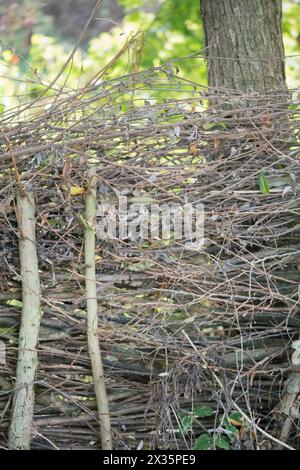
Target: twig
(262,431)
(92,315)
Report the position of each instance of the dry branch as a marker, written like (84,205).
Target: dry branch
(170,320)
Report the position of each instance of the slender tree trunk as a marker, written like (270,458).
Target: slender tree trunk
(245,48)
(22,412)
(92,316)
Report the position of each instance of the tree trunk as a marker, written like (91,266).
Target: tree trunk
(244,44)
(92,316)
(245,56)
(22,410)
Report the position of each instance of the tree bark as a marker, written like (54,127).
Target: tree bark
(244,44)
(23,402)
(92,316)
(245,60)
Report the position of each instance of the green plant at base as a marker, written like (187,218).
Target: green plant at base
(227,430)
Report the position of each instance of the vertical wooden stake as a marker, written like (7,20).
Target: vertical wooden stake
(92,314)
(23,401)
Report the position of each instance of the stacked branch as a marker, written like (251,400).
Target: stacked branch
(178,328)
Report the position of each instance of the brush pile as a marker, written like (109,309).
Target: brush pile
(182,331)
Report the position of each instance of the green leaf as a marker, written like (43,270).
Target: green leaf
(222,443)
(14,303)
(204,442)
(263,184)
(203,411)
(229,427)
(236,416)
(185,424)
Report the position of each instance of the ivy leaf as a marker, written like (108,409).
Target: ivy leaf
(185,424)
(229,427)
(222,443)
(263,184)
(235,419)
(203,442)
(203,411)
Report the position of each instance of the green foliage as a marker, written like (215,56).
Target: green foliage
(170,29)
(214,126)
(186,424)
(14,303)
(203,411)
(263,184)
(225,433)
(186,421)
(129,4)
(236,417)
(203,442)
(291,37)
(206,442)
(222,442)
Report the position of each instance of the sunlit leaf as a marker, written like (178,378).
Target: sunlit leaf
(76,190)
(14,303)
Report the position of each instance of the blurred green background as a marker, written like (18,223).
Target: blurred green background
(37,36)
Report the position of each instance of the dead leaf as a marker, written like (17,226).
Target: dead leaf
(193,149)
